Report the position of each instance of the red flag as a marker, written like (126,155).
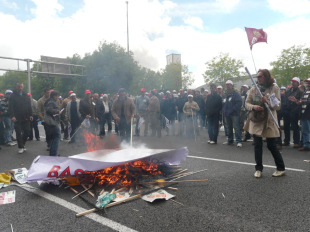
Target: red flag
(255,36)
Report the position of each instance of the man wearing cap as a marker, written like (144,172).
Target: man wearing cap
(291,115)
(142,103)
(123,109)
(21,114)
(87,110)
(182,99)
(6,119)
(190,111)
(154,114)
(305,117)
(73,116)
(40,113)
(232,103)
(34,123)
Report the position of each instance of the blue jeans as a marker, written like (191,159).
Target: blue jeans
(233,122)
(55,138)
(305,125)
(8,129)
(213,127)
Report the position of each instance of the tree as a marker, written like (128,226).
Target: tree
(222,68)
(187,79)
(9,79)
(293,62)
(176,76)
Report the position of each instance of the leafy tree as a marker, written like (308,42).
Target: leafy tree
(109,68)
(187,79)
(293,62)
(222,68)
(9,79)
(176,76)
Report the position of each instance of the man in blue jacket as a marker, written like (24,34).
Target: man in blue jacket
(232,103)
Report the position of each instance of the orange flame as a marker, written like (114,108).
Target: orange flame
(126,174)
(94,143)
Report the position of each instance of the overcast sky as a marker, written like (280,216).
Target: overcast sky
(196,29)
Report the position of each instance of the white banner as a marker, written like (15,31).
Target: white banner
(51,167)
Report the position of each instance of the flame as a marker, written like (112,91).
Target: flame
(117,176)
(94,143)
(126,174)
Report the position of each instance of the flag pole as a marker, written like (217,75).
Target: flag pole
(253,61)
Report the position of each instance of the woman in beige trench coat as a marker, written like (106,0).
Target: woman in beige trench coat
(261,124)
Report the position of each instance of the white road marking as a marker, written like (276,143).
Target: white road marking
(245,163)
(77,209)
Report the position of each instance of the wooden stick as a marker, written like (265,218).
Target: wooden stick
(172,188)
(120,202)
(90,192)
(76,192)
(109,205)
(180,181)
(177,202)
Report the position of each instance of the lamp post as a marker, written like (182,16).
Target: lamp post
(127,29)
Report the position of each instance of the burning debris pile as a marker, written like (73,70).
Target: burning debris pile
(118,175)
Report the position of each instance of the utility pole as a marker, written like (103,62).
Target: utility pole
(127,29)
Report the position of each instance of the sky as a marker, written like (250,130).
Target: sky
(197,29)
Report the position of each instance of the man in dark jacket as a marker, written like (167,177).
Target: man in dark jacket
(182,99)
(51,118)
(21,114)
(292,113)
(232,103)
(87,110)
(213,108)
(305,117)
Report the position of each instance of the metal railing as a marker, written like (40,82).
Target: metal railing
(29,71)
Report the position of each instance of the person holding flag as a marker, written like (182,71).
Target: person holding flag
(261,124)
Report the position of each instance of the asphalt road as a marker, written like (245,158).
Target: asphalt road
(232,200)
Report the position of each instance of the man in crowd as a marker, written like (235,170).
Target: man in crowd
(87,110)
(190,110)
(213,108)
(73,116)
(154,114)
(243,112)
(41,112)
(34,123)
(21,114)
(305,117)
(232,103)
(142,103)
(8,125)
(180,104)
(104,114)
(200,114)
(280,114)
(291,116)
(123,110)
(63,115)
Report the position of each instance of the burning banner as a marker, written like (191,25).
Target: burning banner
(255,36)
(51,167)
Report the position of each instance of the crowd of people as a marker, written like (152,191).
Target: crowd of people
(241,113)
